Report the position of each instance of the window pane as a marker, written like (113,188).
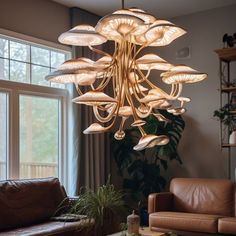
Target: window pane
(19,51)
(19,72)
(57,58)
(40,56)
(3,135)
(4,69)
(57,85)
(3,48)
(38,75)
(39,136)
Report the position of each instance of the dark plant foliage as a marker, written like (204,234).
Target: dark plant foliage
(142,170)
(225,115)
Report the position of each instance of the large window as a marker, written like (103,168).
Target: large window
(28,63)
(32,111)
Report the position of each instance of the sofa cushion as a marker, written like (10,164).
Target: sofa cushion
(48,228)
(26,202)
(227,225)
(184,221)
(203,196)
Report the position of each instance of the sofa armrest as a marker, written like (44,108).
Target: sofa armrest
(66,205)
(160,202)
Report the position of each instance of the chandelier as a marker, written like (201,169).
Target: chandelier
(125,74)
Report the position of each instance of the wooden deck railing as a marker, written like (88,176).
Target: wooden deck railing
(33,170)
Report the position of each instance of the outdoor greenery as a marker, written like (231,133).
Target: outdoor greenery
(39,119)
(141,171)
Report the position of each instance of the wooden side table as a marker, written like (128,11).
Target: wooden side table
(145,231)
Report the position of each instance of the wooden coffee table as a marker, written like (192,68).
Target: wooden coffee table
(145,231)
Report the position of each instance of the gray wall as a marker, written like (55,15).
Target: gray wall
(42,19)
(200,147)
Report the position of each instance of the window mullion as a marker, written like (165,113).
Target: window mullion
(14,135)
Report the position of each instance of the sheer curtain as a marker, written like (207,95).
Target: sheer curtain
(89,155)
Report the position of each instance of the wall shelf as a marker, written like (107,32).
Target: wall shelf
(226,56)
(227,145)
(228,89)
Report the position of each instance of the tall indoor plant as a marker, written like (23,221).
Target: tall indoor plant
(141,170)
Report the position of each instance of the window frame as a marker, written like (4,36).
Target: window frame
(15,89)
(31,44)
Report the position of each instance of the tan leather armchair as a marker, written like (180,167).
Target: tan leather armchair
(194,207)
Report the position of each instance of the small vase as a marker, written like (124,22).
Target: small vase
(133,222)
(232,138)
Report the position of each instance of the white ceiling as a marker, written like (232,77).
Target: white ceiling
(159,8)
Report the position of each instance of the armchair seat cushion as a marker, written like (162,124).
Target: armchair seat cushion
(184,221)
(227,225)
(48,228)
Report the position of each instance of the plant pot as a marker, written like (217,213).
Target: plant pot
(232,138)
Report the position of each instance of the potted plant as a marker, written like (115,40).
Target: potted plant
(141,170)
(104,207)
(228,118)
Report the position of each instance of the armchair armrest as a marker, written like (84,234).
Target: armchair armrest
(160,202)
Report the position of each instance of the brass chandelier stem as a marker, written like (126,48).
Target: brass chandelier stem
(119,84)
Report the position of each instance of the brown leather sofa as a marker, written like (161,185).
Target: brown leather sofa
(194,207)
(27,205)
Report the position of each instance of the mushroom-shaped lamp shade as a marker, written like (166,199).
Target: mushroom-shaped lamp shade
(61,76)
(116,26)
(182,74)
(82,35)
(152,61)
(82,78)
(163,33)
(147,18)
(138,123)
(184,99)
(94,98)
(94,129)
(103,62)
(77,64)
(151,140)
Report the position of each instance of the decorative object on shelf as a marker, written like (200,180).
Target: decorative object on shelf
(232,137)
(229,40)
(133,222)
(126,72)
